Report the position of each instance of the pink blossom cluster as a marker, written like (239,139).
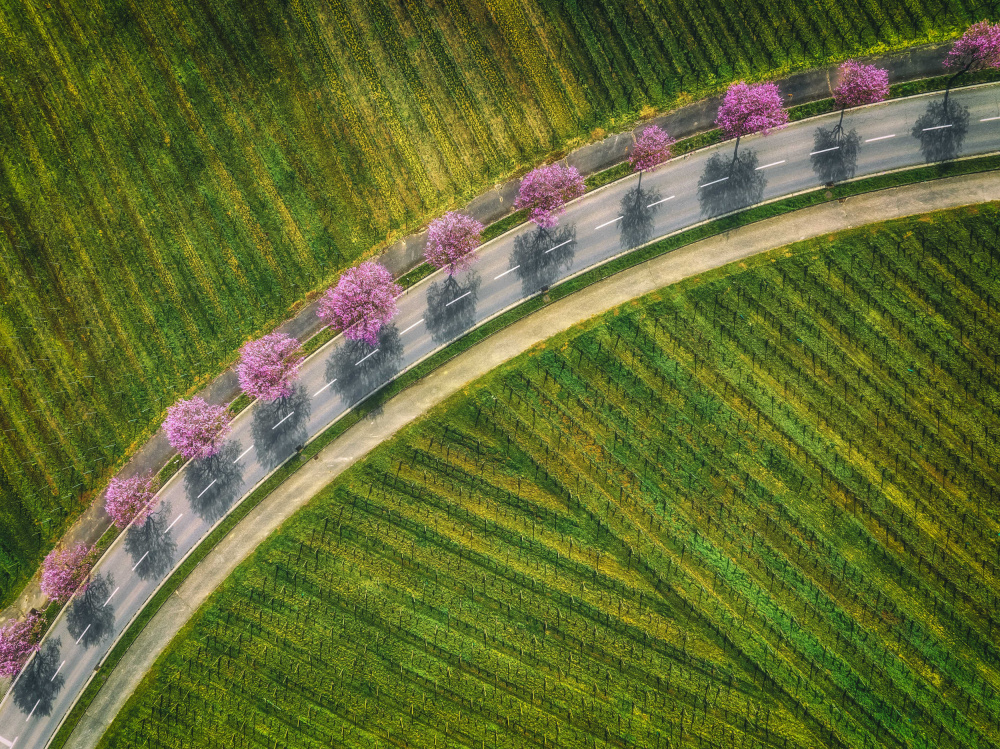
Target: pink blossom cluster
(195,428)
(268,366)
(977,49)
(363,300)
(748,109)
(651,149)
(129,499)
(65,571)
(452,241)
(18,640)
(860,84)
(545,190)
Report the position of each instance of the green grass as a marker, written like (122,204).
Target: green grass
(176,177)
(758,506)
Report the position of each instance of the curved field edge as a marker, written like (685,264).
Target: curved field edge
(747,507)
(380,398)
(186,163)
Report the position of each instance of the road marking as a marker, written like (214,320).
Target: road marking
(451,303)
(88,626)
(506,272)
(37,702)
(244,453)
(714,182)
(138,563)
(293,413)
(661,201)
(363,358)
(989,119)
(57,671)
(881,137)
(773,163)
(315,394)
(208,487)
(824,150)
(412,326)
(608,223)
(937,127)
(170,526)
(113,593)
(8,743)
(557,246)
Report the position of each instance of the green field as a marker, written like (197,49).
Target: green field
(758,508)
(177,176)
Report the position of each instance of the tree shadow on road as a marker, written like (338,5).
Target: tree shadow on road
(941,130)
(279,427)
(39,683)
(835,154)
(213,484)
(637,217)
(451,306)
(541,256)
(151,543)
(88,619)
(357,370)
(727,185)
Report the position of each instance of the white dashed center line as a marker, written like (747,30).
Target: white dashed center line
(207,488)
(557,246)
(824,150)
(661,201)
(243,455)
(110,597)
(506,272)
(989,119)
(320,391)
(881,137)
(57,671)
(608,223)
(293,413)
(773,163)
(937,127)
(165,532)
(412,326)
(455,300)
(88,626)
(713,182)
(40,699)
(365,358)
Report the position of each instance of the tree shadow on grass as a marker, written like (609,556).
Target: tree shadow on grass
(727,185)
(151,546)
(638,208)
(39,682)
(541,256)
(279,427)
(357,370)
(89,620)
(835,154)
(451,306)
(213,484)
(941,130)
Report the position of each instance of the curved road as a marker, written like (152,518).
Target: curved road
(892,135)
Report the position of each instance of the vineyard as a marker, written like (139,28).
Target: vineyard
(756,509)
(176,176)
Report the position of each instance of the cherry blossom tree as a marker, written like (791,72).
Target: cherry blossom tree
(977,49)
(65,571)
(196,428)
(268,366)
(859,84)
(18,640)
(452,241)
(129,499)
(363,300)
(546,190)
(651,149)
(747,109)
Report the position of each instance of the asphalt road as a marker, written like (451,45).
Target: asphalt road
(598,226)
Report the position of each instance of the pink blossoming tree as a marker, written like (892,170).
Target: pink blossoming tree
(129,499)
(65,571)
(546,190)
(363,300)
(859,84)
(196,428)
(18,640)
(977,49)
(452,241)
(651,149)
(268,366)
(747,109)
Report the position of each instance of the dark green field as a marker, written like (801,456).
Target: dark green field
(757,509)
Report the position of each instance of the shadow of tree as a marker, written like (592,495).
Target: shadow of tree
(39,683)
(835,154)
(451,306)
(637,217)
(542,255)
(213,484)
(88,619)
(357,370)
(151,546)
(727,185)
(279,427)
(941,130)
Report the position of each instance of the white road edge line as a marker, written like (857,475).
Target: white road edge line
(57,671)
(937,127)
(713,182)
(881,137)
(363,358)
(165,532)
(291,415)
(244,453)
(110,597)
(557,246)
(661,201)
(608,223)
(88,626)
(506,272)
(449,304)
(207,488)
(989,119)
(412,326)
(318,392)
(824,150)
(773,163)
